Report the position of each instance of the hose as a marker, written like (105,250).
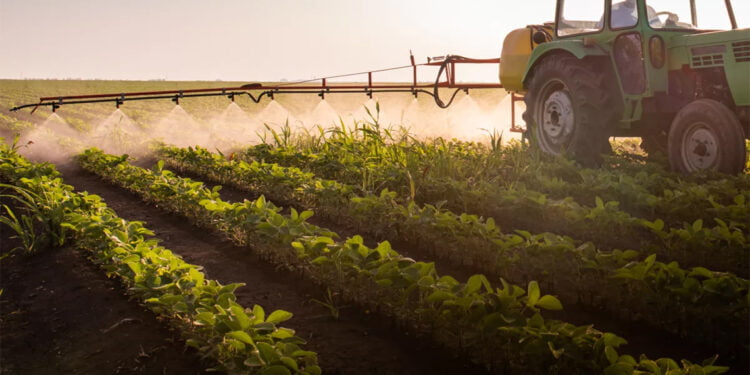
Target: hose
(435,93)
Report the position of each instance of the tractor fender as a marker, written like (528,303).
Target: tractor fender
(571,47)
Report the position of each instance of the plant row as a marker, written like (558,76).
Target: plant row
(697,303)
(240,340)
(369,153)
(720,244)
(501,327)
(647,194)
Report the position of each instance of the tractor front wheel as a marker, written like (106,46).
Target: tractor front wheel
(706,135)
(569,109)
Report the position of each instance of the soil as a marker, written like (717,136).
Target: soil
(68,301)
(59,314)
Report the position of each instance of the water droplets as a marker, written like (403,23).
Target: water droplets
(471,118)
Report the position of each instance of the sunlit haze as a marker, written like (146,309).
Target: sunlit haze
(243,40)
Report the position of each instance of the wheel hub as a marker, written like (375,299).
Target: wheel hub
(700,148)
(557,118)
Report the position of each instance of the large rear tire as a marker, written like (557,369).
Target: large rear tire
(570,108)
(706,135)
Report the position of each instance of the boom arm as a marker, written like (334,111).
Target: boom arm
(257,91)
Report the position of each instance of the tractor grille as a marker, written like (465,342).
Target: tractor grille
(708,60)
(708,56)
(741,51)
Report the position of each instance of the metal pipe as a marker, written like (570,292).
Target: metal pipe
(730,10)
(512,110)
(414,87)
(693,13)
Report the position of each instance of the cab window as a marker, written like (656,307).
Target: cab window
(671,14)
(624,14)
(579,17)
(675,14)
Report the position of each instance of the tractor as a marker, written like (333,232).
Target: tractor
(654,69)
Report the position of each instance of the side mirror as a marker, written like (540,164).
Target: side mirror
(539,37)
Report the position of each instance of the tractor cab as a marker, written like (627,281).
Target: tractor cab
(580,16)
(637,68)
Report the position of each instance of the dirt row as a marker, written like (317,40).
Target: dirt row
(59,314)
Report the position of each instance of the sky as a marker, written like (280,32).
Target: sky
(252,40)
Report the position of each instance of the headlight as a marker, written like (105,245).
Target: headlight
(656,51)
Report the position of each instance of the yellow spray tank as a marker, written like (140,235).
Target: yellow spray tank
(517,48)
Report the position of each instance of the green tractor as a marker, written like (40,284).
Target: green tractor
(654,69)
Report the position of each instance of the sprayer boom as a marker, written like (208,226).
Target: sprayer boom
(321,87)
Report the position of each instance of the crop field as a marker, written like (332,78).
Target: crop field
(353,236)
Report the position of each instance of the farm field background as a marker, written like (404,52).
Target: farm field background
(441,255)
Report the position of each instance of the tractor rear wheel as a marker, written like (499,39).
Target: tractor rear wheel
(570,109)
(706,135)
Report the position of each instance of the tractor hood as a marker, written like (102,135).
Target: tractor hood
(710,49)
(725,50)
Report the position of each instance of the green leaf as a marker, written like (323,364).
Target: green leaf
(599,202)
(701,271)
(237,345)
(135,267)
(610,339)
(267,353)
(253,361)
(284,334)
(242,336)
(536,321)
(627,359)
(290,363)
(649,262)
(440,296)
(279,316)
(305,215)
(549,302)
(657,225)
(697,225)
(205,318)
(240,316)
(650,366)
(533,293)
(473,284)
(260,314)
(611,354)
